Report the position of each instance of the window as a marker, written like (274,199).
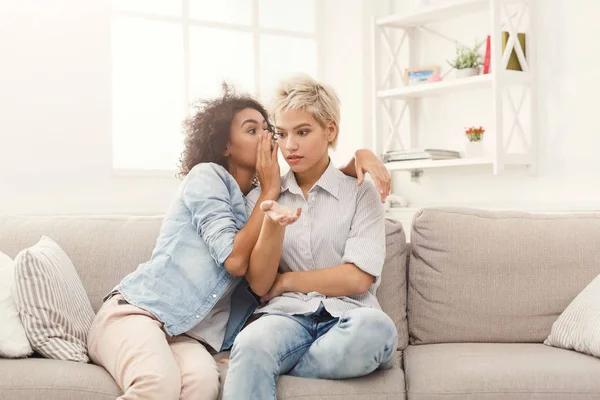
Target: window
(167,53)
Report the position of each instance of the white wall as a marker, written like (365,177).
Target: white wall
(55,120)
(347,67)
(55,114)
(55,102)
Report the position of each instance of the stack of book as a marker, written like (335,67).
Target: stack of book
(420,154)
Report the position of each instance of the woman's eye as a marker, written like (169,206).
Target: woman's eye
(279,134)
(252,131)
(302,133)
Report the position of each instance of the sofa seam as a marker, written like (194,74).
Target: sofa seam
(54,388)
(90,217)
(336,394)
(525,215)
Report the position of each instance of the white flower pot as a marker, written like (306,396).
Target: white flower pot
(474,149)
(466,72)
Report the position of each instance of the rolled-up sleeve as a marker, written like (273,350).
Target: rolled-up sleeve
(207,196)
(365,246)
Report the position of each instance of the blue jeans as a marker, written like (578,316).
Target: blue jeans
(310,346)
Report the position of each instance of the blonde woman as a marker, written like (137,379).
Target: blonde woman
(318,277)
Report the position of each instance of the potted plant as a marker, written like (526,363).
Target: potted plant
(474,147)
(467,61)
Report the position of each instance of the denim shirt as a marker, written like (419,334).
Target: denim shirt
(185,276)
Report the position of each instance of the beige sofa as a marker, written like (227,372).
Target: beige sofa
(480,289)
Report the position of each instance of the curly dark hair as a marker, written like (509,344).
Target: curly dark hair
(207,131)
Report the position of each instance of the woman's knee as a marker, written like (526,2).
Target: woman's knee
(156,384)
(251,341)
(201,385)
(373,325)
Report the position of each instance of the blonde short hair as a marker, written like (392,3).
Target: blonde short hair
(303,92)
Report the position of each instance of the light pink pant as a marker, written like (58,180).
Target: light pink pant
(145,362)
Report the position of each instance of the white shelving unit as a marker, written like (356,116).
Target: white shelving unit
(408,27)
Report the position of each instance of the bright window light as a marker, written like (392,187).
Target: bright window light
(166,54)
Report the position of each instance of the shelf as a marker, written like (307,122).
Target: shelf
(427,15)
(427,164)
(453,85)
(412,165)
(436,88)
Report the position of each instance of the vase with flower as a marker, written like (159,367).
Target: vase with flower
(474,146)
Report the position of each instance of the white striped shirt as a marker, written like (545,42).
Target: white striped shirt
(340,223)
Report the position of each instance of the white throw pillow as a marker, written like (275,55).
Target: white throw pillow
(578,327)
(13,341)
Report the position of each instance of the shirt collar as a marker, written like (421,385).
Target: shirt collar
(329,181)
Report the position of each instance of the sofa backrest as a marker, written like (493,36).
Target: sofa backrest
(102,249)
(482,276)
(105,249)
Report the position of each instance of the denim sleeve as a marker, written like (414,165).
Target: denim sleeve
(206,194)
(365,246)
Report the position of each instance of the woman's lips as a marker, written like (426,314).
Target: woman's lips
(294,159)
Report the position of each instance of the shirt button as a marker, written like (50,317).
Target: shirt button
(214,295)
(197,316)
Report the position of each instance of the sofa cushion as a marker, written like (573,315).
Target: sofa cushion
(39,378)
(36,378)
(497,371)
(102,249)
(391,293)
(482,276)
(380,385)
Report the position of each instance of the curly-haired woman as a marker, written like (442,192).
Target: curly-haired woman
(157,329)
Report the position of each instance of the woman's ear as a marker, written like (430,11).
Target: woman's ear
(226,153)
(332,131)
